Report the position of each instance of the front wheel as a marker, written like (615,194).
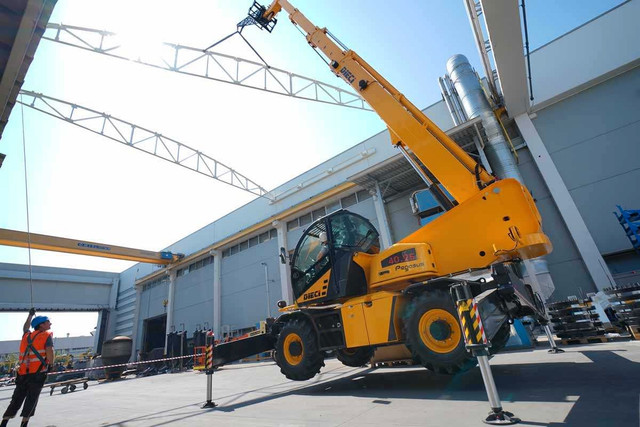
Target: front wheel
(297,352)
(434,336)
(355,357)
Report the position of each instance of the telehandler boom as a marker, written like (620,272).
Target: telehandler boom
(352,297)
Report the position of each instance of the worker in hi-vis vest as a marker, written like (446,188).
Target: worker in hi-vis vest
(36,358)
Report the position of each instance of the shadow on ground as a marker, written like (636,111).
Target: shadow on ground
(605,392)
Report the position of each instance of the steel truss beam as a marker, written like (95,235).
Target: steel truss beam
(140,138)
(210,65)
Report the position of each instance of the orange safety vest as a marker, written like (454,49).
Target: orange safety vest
(32,352)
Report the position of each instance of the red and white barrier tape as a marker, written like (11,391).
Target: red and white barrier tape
(95,368)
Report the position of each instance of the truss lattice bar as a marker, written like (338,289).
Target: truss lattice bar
(210,65)
(140,138)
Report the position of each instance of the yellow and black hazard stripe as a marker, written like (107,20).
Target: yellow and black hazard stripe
(471,322)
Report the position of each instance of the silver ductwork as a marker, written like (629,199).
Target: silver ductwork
(447,100)
(475,104)
(467,91)
(451,99)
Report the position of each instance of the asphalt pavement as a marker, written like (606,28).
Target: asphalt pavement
(588,385)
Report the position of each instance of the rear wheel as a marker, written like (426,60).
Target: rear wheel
(434,336)
(355,357)
(297,352)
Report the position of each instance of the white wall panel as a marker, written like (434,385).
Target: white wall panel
(587,53)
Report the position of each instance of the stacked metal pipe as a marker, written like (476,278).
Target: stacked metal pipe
(625,303)
(575,319)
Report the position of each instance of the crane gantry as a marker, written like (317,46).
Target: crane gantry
(184,60)
(210,65)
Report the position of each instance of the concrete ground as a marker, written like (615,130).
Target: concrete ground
(589,385)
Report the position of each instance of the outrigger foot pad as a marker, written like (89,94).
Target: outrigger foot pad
(209,404)
(556,350)
(500,417)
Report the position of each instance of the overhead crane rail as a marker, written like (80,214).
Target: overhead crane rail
(81,247)
(142,139)
(207,64)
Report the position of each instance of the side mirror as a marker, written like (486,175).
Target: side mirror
(283,256)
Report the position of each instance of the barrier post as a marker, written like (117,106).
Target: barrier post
(208,362)
(476,341)
(183,337)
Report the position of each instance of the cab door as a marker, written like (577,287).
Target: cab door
(325,271)
(349,234)
(311,266)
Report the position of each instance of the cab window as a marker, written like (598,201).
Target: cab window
(308,251)
(310,259)
(349,231)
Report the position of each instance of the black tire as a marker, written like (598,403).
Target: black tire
(85,386)
(297,352)
(445,353)
(64,390)
(73,387)
(355,357)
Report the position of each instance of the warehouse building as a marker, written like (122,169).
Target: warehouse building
(577,152)
(586,121)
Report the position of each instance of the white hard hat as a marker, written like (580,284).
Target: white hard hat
(323,236)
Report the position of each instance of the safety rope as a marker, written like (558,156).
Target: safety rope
(26,192)
(95,368)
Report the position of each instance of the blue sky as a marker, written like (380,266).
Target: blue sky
(87,187)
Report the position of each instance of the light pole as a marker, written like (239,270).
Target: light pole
(266,284)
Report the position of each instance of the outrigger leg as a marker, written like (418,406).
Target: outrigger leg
(552,342)
(476,341)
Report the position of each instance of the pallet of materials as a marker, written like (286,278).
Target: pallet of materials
(576,322)
(625,302)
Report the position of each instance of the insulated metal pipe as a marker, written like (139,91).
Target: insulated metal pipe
(455,98)
(475,104)
(447,100)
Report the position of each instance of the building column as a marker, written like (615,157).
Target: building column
(580,234)
(217,293)
(136,319)
(113,293)
(170,297)
(383,221)
(111,316)
(97,337)
(285,269)
(113,303)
